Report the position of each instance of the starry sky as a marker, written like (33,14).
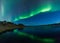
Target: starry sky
(30,12)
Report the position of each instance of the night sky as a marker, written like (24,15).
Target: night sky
(30,12)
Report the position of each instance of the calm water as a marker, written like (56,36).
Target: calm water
(44,33)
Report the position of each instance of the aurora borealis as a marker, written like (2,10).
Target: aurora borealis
(25,10)
(31,13)
(35,9)
(48,8)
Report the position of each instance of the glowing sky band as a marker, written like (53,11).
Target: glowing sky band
(2,9)
(48,8)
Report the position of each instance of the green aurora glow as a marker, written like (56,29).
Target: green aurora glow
(2,10)
(35,12)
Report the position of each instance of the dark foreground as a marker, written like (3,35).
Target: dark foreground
(29,35)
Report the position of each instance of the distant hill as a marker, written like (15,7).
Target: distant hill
(48,26)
